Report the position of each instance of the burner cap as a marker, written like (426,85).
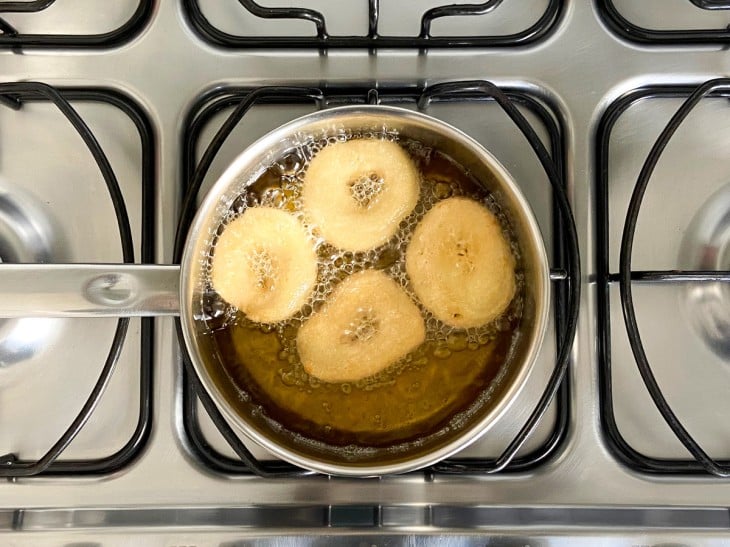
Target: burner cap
(27,235)
(706,246)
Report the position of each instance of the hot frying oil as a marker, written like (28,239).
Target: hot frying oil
(415,397)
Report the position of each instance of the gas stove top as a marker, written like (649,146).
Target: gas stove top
(108,119)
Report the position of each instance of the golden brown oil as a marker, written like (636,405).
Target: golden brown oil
(413,398)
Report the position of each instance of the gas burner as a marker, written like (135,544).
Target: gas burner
(706,246)
(28,233)
(53,209)
(477,106)
(663,333)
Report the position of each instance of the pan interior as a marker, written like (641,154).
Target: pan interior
(438,397)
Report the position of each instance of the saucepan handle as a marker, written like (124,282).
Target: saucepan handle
(89,290)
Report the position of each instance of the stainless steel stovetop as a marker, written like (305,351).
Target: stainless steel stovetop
(598,81)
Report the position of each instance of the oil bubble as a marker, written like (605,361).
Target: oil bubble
(442,352)
(457,341)
(287,378)
(290,164)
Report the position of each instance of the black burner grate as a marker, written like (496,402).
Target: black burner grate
(322,39)
(15,95)
(626,29)
(702,462)
(17,40)
(566,258)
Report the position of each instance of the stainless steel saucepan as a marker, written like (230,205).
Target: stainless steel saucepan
(71,290)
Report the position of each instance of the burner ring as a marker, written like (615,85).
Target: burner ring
(706,246)
(27,235)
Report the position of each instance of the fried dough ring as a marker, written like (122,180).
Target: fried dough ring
(367,324)
(356,193)
(460,264)
(264,263)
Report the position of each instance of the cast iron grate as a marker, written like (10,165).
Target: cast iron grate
(702,462)
(14,95)
(322,39)
(622,26)
(16,39)
(566,272)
